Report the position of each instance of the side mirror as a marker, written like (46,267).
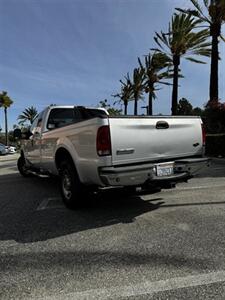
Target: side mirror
(17,133)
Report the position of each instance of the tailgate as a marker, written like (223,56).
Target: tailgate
(137,139)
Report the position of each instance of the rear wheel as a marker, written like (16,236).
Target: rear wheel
(21,165)
(72,190)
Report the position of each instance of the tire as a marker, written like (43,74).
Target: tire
(72,190)
(21,165)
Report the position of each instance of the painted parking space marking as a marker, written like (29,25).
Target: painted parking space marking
(201,187)
(146,288)
(50,202)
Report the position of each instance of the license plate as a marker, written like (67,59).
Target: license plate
(165,169)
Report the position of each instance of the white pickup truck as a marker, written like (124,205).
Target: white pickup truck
(88,149)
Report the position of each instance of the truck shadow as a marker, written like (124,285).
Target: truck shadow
(21,220)
(215,170)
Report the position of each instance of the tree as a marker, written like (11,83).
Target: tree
(154,72)
(215,19)
(28,115)
(137,86)
(214,116)
(5,102)
(111,110)
(197,111)
(182,40)
(184,107)
(126,93)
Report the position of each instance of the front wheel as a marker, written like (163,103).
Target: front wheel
(21,165)
(72,190)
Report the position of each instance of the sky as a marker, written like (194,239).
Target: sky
(76,51)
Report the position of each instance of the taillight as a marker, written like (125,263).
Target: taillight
(203,135)
(103,143)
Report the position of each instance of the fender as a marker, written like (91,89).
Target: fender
(66,144)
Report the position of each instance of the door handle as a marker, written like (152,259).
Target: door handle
(162,125)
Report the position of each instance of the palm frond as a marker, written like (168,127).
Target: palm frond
(156,49)
(161,39)
(202,52)
(197,6)
(192,12)
(195,60)
(195,13)
(29,114)
(222,38)
(140,63)
(206,3)
(165,83)
(183,37)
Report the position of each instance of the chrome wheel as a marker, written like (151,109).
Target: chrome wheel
(71,188)
(67,185)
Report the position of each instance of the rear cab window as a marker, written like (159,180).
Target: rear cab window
(60,117)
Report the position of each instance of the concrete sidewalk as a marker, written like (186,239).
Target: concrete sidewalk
(9,157)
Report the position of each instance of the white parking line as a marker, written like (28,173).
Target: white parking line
(200,187)
(44,204)
(145,288)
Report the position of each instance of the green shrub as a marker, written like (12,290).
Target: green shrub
(215,145)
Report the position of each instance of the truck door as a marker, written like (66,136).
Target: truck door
(33,145)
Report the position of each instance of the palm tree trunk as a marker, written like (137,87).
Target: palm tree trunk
(125,107)
(213,89)
(176,63)
(6,126)
(135,105)
(150,98)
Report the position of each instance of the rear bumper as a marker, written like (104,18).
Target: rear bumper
(141,174)
(191,165)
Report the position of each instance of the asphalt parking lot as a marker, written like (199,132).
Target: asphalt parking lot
(164,245)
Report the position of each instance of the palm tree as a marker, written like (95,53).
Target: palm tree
(182,40)
(113,111)
(154,72)
(126,93)
(215,19)
(5,102)
(29,114)
(137,86)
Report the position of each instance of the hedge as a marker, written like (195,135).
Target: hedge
(215,145)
